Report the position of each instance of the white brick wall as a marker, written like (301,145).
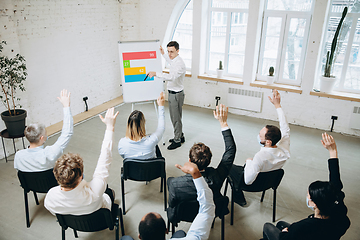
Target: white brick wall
(67,44)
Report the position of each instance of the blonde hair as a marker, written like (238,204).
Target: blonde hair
(68,169)
(135,129)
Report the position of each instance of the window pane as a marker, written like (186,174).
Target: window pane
(183,34)
(217,39)
(294,48)
(352,79)
(293,5)
(230,4)
(339,5)
(237,42)
(272,37)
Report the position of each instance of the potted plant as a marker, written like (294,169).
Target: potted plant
(12,76)
(220,70)
(327,81)
(271,77)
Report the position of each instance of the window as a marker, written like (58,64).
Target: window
(284,38)
(227,36)
(183,34)
(347,63)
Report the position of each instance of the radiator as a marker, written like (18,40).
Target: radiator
(245,99)
(355,118)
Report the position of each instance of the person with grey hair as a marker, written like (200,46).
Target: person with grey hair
(38,158)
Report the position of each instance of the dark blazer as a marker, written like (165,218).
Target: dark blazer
(183,188)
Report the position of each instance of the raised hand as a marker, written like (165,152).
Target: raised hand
(162,50)
(190,168)
(64,98)
(161,99)
(221,114)
(275,99)
(110,119)
(329,143)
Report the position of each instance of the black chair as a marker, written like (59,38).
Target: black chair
(263,182)
(143,170)
(93,222)
(187,211)
(38,182)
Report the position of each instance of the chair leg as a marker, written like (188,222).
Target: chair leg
(26,209)
(36,198)
(161,185)
(274,205)
(232,208)
(262,196)
(63,233)
(165,195)
(223,228)
(123,195)
(172,229)
(121,223)
(75,233)
(226,186)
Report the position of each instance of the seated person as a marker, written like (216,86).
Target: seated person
(36,158)
(152,226)
(329,220)
(136,144)
(74,195)
(182,188)
(275,150)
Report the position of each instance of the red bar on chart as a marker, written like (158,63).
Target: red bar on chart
(139,55)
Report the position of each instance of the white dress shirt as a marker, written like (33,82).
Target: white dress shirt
(176,75)
(200,227)
(40,158)
(144,148)
(87,197)
(269,159)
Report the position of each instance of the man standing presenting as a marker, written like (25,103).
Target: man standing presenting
(175,86)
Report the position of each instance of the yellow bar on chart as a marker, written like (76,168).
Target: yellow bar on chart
(134,71)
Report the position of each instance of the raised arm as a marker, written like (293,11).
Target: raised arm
(101,173)
(54,151)
(228,157)
(200,227)
(334,171)
(161,119)
(284,126)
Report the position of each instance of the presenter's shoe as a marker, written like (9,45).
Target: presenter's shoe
(174,145)
(182,139)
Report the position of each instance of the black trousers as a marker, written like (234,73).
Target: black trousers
(270,232)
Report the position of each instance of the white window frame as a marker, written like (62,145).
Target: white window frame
(353,16)
(229,11)
(280,60)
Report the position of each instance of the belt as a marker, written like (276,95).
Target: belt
(173,92)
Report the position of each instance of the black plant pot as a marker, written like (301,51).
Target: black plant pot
(15,124)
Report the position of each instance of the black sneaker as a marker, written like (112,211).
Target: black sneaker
(182,140)
(174,145)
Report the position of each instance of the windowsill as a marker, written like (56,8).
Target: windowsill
(222,79)
(277,86)
(187,74)
(338,95)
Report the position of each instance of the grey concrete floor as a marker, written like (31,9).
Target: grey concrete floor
(308,163)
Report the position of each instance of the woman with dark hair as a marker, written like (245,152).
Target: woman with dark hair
(326,199)
(136,144)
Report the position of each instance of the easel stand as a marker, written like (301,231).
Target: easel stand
(156,111)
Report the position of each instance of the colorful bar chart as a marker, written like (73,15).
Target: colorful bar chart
(136,74)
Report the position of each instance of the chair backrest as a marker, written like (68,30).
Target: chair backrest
(187,210)
(40,182)
(93,222)
(143,169)
(264,181)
